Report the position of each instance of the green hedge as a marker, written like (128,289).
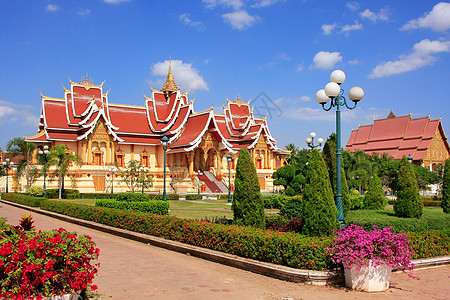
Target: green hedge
(23,199)
(432,219)
(133,197)
(288,249)
(65,194)
(156,207)
(276,201)
(193,197)
(97,196)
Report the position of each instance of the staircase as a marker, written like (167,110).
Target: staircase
(212,184)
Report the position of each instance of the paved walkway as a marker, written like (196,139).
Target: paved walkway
(133,270)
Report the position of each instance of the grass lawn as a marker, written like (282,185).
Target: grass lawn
(432,219)
(186,209)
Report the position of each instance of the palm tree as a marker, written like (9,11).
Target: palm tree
(61,158)
(18,147)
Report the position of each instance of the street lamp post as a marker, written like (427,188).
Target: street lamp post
(44,154)
(165,143)
(112,170)
(7,165)
(310,140)
(334,93)
(229,159)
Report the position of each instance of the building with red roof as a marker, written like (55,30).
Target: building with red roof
(422,138)
(105,134)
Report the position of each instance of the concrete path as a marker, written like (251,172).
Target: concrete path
(133,270)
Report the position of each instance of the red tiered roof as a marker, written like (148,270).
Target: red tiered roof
(166,112)
(395,136)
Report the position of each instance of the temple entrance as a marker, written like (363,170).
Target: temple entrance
(211,160)
(199,160)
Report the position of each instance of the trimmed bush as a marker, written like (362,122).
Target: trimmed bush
(429,244)
(156,207)
(375,198)
(23,199)
(97,196)
(65,194)
(247,205)
(194,197)
(409,203)
(35,191)
(446,188)
(276,201)
(132,197)
(292,209)
(357,202)
(319,211)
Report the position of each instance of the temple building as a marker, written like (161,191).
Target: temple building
(105,135)
(423,139)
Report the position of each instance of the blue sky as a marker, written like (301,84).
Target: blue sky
(276,53)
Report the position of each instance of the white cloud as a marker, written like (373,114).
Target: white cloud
(353,6)
(115,1)
(185,18)
(326,60)
(265,3)
(185,76)
(382,15)
(421,56)
(52,7)
(235,4)
(438,19)
(305,98)
(353,62)
(283,56)
(15,113)
(348,28)
(239,19)
(328,28)
(84,12)
(299,68)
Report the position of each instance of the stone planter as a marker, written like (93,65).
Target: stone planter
(368,278)
(64,297)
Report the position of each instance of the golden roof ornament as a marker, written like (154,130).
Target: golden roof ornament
(170,85)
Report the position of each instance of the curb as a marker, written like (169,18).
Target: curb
(276,271)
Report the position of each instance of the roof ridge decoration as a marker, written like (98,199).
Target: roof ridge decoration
(169,86)
(86,83)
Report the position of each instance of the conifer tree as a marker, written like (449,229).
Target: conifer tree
(446,188)
(319,210)
(375,198)
(329,156)
(247,206)
(346,202)
(409,204)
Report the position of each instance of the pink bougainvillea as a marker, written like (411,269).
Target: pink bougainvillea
(354,246)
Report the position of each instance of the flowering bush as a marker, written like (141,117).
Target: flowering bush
(40,264)
(354,246)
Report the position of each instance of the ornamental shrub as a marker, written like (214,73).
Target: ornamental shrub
(292,209)
(375,198)
(318,210)
(446,188)
(289,191)
(36,264)
(23,199)
(409,203)
(35,191)
(247,205)
(65,194)
(156,207)
(194,197)
(132,197)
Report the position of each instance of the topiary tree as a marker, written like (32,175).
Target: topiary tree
(409,204)
(346,202)
(318,210)
(329,156)
(248,205)
(375,198)
(446,188)
(292,208)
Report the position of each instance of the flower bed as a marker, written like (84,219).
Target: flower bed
(153,207)
(37,264)
(289,249)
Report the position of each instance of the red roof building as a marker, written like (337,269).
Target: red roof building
(105,134)
(422,138)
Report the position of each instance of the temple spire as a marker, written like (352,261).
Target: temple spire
(170,85)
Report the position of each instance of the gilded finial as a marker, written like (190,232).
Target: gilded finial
(170,85)
(42,96)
